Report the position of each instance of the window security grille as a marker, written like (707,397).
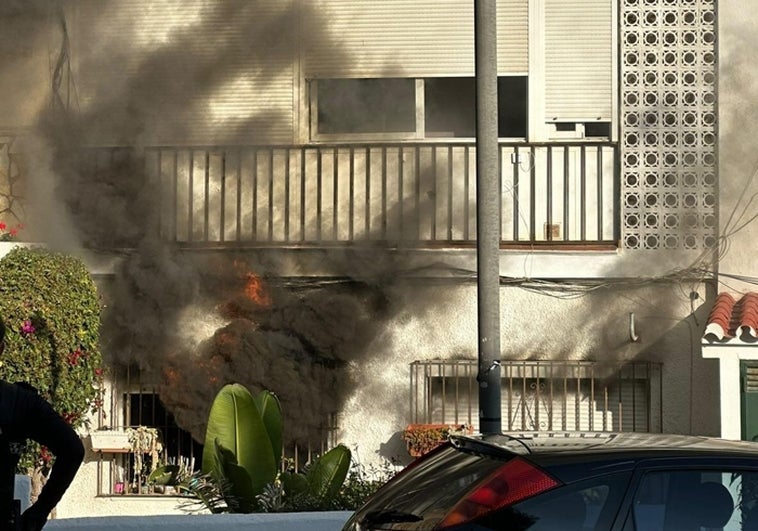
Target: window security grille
(543,395)
(137,404)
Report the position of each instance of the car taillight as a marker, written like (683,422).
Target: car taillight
(515,481)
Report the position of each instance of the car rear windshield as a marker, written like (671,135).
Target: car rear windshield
(421,497)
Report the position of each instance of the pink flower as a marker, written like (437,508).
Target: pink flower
(27,328)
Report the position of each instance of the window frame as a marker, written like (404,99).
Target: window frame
(420,133)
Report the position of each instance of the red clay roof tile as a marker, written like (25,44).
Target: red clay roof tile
(730,318)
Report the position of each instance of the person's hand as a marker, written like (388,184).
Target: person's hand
(32,522)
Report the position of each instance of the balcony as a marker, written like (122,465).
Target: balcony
(402,195)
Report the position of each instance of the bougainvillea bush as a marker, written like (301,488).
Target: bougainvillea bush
(51,311)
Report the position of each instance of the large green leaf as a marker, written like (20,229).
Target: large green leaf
(230,416)
(328,473)
(294,483)
(240,493)
(271,412)
(235,422)
(164,475)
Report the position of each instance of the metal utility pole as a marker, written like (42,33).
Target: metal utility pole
(487,216)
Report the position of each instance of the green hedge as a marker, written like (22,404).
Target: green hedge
(51,311)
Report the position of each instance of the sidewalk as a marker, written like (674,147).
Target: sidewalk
(314,521)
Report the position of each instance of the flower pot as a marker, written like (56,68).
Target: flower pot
(423,438)
(110,441)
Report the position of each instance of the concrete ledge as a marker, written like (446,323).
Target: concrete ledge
(312,521)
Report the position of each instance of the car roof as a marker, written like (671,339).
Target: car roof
(584,441)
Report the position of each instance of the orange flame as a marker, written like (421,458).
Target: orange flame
(171,375)
(255,290)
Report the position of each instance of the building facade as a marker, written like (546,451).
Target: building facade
(288,190)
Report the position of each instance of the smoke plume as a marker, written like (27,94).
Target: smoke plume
(188,322)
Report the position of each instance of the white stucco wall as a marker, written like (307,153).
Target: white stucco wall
(439,322)
(738,121)
(730,389)
(81,499)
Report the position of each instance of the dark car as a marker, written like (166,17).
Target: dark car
(571,482)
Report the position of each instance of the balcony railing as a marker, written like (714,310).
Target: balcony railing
(543,395)
(411,194)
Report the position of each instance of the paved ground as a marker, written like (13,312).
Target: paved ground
(317,521)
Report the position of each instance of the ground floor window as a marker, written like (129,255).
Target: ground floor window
(177,447)
(143,439)
(543,395)
(139,441)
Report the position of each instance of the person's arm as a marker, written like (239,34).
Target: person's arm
(49,429)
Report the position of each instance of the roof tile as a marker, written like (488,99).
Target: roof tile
(730,318)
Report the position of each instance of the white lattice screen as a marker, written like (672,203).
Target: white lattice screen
(668,124)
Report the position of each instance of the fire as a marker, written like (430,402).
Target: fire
(255,290)
(171,375)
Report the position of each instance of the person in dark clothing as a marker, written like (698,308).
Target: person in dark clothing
(25,415)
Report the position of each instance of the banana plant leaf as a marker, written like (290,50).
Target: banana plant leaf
(294,483)
(236,424)
(240,494)
(328,473)
(271,412)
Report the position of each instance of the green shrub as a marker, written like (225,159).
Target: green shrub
(360,483)
(51,311)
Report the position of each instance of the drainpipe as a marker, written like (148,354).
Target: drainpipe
(487,216)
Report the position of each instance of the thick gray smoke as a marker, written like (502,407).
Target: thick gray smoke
(104,90)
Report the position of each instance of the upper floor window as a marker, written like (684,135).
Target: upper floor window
(556,61)
(406,108)
(347,106)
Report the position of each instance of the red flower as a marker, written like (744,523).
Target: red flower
(73,357)
(2,225)
(99,371)
(70,418)
(44,455)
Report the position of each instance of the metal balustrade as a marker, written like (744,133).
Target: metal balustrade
(404,194)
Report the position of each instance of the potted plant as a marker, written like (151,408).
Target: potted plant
(110,441)
(143,441)
(422,438)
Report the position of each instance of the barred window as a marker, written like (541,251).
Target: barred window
(543,395)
